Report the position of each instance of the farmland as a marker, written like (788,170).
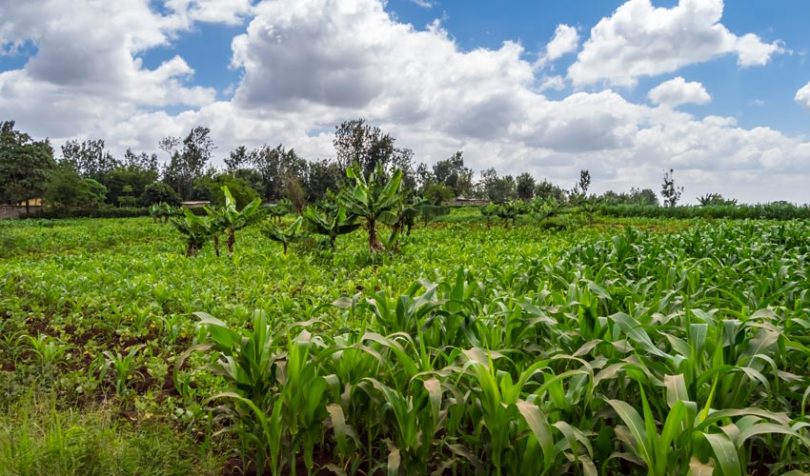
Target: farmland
(634,346)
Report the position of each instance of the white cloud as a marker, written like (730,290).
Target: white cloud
(642,40)
(308,64)
(803,96)
(423,3)
(678,91)
(566,40)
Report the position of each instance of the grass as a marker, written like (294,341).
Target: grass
(638,346)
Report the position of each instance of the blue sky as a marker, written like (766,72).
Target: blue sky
(715,90)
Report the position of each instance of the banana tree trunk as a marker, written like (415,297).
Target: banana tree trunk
(374,244)
(216,245)
(231,240)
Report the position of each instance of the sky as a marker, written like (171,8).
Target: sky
(719,92)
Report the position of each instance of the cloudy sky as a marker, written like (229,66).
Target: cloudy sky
(626,89)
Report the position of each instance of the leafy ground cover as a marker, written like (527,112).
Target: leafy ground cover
(633,346)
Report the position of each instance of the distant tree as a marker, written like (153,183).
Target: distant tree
(547,190)
(424,176)
(643,197)
(498,189)
(454,174)
(324,175)
(238,158)
(127,181)
(159,192)
(66,189)
(584,182)
(358,142)
(525,186)
(142,161)
(189,162)
(211,187)
(715,199)
(436,193)
(24,165)
(669,191)
(89,158)
(275,163)
(294,192)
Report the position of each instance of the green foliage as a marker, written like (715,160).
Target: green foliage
(372,199)
(159,192)
(330,222)
(66,189)
(25,165)
(628,347)
(196,229)
(283,234)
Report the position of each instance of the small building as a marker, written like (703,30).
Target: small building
(460,201)
(195,204)
(32,206)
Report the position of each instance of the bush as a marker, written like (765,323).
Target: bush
(159,192)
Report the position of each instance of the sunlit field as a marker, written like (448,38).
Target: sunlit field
(633,346)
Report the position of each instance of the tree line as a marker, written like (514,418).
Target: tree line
(87,175)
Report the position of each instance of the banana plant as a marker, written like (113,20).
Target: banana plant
(197,230)
(229,219)
(330,223)
(283,235)
(372,200)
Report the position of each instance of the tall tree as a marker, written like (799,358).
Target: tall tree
(358,142)
(24,165)
(189,162)
(89,158)
(525,186)
(452,173)
(669,191)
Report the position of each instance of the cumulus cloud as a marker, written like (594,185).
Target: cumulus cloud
(678,91)
(306,65)
(565,41)
(803,96)
(642,40)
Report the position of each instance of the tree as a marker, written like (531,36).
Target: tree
(357,142)
(66,189)
(371,199)
(452,173)
(715,199)
(437,193)
(294,192)
(669,191)
(274,164)
(547,190)
(324,175)
(89,158)
(24,165)
(127,181)
(159,192)
(525,186)
(498,189)
(188,163)
(584,182)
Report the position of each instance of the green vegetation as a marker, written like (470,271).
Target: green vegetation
(633,346)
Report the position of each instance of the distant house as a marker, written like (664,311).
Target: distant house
(469,201)
(30,206)
(195,204)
